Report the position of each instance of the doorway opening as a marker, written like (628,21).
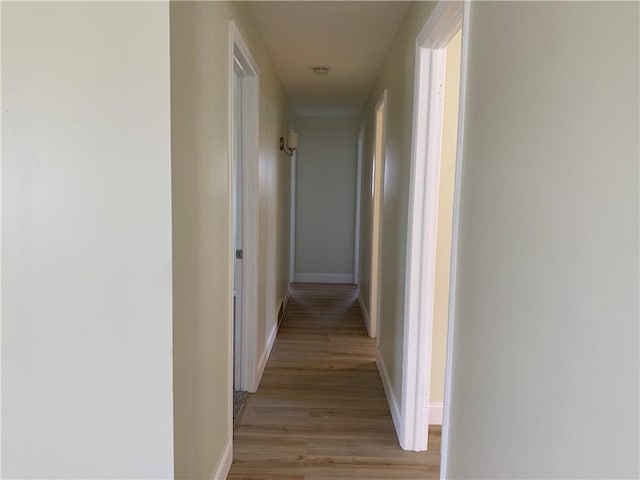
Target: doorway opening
(377,192)
(243,185)
(239,394)
(432,233)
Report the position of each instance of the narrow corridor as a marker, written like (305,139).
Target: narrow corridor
(320,411)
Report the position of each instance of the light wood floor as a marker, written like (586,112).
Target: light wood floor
(320,411)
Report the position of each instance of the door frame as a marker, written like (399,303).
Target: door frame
(292,222)
(376,216)
(442,25)
(238,210)
(250,147)
(356,247)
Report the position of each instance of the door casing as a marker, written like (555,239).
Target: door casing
(377,193)
(442,25)
(240,57)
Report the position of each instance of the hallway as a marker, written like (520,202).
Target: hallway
(320,411)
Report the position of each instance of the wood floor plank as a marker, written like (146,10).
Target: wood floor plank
(320,412)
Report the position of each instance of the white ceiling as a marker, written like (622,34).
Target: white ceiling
(352,38)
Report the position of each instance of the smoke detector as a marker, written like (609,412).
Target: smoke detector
(320,70)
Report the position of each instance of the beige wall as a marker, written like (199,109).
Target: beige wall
(445,217)
(325,196)
(397,75)
(201,210)
(86,240)
(545,366)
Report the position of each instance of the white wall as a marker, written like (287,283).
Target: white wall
(545,366)
(325,198)
(200,75)
(86,241)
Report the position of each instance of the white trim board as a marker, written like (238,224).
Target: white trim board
(264,359)
(324,278)
(224,463)
(285,300)
(436,410)
(377,205)
(292,222)
(356,247)
(365,313)
(265,355)
(391,398)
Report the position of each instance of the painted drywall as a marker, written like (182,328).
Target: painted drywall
(86,241)
(397,75)
(325,197)
(200,76)
(445,217)
(545,348)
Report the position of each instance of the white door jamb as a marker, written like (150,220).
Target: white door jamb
(356,247)
(379,149)
(292,231)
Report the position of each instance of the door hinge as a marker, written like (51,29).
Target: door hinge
(239,254)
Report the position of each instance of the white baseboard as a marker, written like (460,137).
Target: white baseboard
(283,306)
(436,410)
(365,313)
(286,299)
(267,351)
(324,278)
(391,398)
(224,464)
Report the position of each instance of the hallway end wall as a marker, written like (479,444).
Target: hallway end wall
(200,75)
(325,199)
